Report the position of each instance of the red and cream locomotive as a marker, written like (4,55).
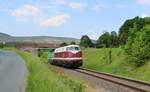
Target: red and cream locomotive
(68,56)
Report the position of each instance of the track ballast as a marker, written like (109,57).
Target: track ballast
(136,85)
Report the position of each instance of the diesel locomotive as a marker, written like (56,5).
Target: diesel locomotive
(68,56)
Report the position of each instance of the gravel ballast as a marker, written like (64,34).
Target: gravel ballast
(99,83)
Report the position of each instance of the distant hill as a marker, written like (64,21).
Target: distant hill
(36,39)
(4,37)
(43,39)
(3,34)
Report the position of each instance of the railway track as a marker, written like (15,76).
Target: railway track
(138,86)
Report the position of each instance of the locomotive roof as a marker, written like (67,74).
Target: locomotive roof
(64,48)
(72,46)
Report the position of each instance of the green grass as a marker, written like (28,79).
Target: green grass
(42,78)
(98,59)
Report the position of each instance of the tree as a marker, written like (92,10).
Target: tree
(114,39)
(128,24)
(73,42)
(104,40)
(139,48)
(63,44)
(85,41)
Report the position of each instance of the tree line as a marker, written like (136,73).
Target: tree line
(106,40)
(133,36)
(127,31)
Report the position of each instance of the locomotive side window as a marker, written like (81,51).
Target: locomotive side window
(73,49)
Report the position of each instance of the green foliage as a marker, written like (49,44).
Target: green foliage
(72,43)
(43,78)
(44,57)
(6,45)
(108,40)
(104,40)
(63,44)
(114,39)
(139,48)
(124,31)
(110,56)
(85,41)
(41,51)
(1,45)
(134,35)
(98,59)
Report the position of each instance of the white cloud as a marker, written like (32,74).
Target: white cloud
(55,21)
(144,15)
(35,15)
(26,11)
(144,2)
(76,5)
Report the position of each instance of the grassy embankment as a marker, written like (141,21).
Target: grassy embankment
(99,59)
(42,78)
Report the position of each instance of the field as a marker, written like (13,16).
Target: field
(115,62)
(42,78)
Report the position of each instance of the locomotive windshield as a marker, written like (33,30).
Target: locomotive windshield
(73,49)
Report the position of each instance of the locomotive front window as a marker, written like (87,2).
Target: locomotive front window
(73,48)
(76,48)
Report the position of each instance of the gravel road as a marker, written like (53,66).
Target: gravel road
(12,72)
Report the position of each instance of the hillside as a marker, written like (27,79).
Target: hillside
(4,37)
(98,59)
(37,39)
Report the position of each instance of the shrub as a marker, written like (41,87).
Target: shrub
(139,49)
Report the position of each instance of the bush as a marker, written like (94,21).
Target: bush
(139,49)
(63,44)
(6,45)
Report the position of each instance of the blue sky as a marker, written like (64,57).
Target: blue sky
(68,18)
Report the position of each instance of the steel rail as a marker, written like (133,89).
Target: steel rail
(97,75)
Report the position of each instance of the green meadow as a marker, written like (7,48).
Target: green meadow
(114,61)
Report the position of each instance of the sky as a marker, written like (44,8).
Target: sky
(68,18)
